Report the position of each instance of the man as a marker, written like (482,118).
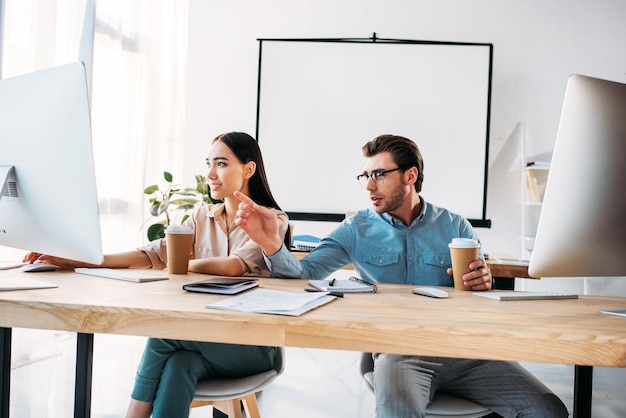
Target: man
(404,239)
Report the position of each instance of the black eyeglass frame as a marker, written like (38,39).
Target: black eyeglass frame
(376,175)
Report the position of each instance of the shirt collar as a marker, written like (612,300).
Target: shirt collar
(217,212)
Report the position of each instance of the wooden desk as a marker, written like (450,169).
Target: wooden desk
(392,320)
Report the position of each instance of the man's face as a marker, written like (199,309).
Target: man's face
(388,192)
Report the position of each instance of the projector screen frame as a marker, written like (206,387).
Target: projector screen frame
(481,221)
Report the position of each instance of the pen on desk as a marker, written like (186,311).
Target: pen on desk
(337,294)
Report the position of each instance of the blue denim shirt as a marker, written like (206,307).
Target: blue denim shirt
(382,249)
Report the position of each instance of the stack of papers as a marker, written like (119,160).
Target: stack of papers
(275,302)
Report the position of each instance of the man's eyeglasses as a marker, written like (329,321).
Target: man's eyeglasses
(377,175)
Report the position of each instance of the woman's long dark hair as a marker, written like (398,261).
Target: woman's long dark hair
(246,149)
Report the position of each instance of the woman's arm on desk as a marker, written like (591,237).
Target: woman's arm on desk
(129,259)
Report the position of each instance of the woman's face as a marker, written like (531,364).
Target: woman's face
(226,174)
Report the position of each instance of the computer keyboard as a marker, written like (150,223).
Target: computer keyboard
(138,276)
(525,295)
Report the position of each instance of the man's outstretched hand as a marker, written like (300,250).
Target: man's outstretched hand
(260,223)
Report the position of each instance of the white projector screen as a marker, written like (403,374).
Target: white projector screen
(320,101)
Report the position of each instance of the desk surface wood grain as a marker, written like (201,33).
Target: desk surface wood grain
(391,320)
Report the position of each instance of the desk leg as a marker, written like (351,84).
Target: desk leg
(5,373)
(583,389)
(84,368)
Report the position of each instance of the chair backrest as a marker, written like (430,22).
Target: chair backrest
(279,362)
(228,388)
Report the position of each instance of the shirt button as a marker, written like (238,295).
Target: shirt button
(380,261)
(410,258)
(441,262)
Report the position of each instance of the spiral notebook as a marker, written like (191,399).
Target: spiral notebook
(351,285)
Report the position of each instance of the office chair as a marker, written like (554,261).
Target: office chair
(227,395)
(443,404)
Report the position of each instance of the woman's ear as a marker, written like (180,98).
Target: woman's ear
(249,169)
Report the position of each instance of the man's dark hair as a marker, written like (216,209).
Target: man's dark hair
(404,153)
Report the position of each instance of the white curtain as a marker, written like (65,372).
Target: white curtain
(139,61)
(138,108)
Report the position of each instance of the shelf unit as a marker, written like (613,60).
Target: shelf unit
(536,174)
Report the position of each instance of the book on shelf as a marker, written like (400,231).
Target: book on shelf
(351,285)
(222,285)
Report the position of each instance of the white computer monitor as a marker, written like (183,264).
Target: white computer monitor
(582,225)
(48,201)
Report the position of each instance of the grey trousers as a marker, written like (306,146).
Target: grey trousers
(404,386)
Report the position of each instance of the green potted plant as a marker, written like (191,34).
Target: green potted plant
(174,198)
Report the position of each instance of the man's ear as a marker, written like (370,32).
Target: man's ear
(411,175)
(249,169)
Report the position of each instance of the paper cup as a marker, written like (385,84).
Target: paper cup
(462,252)
(179,240)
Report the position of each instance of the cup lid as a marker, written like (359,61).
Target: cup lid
(464,243)
(178,229)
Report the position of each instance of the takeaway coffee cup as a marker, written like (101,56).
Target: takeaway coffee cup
(462,252)
(179,240)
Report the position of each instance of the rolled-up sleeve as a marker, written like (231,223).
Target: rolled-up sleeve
(156,252)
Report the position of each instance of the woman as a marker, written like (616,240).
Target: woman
(169,369)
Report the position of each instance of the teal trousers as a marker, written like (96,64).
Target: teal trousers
(169,370)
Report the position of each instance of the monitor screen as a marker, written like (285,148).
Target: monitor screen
(582,225)
(48,202)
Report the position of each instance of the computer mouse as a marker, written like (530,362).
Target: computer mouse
(433,292)
(38,267)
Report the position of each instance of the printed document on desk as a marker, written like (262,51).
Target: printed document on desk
(275,302)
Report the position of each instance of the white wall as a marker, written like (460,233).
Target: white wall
(537,44)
